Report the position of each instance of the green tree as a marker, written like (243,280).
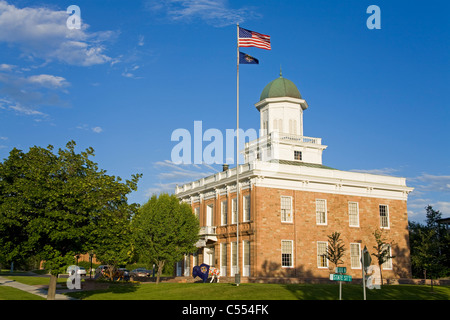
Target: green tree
(55,205)
(430,246)
(164,230)
(335,249)
(382,250)
(425,253)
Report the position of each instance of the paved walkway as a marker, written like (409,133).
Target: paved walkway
(32,289)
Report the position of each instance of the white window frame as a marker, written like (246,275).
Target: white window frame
(187,265)
(355,255)
(286,216)
(300,153)
(233,211)
(197,213)
(387,265)
(224,213)
(223,264)
(233,259)
(386,218)
(324,212)
(291,245)
(210,215)
(247,208)
(355,214)
(246,255)
(320,255)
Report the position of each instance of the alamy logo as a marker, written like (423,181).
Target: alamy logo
(374,21)
(74,21)
(74,280)
(218,150)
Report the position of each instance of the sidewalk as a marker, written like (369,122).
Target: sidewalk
(32,289)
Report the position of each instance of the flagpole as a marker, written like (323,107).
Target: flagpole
(237,279)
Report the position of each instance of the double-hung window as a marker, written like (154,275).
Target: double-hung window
(388,263)
(233,211)
(224,216)
(322,260)
(286,209)
(321,211)
(384,216)
(353,214)
(246,208)
(287,253)
(355,255)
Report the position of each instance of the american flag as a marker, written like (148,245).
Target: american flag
(249,38)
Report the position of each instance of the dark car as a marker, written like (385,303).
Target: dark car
(140,272)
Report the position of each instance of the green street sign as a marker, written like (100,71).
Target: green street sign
(340,270)
(340,277)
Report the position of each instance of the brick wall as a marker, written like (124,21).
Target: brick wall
(265,231)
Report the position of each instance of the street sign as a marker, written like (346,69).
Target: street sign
(340,270)
(340,277)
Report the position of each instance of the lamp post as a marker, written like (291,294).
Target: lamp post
(91,255)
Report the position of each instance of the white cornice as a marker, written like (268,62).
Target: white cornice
(282,176)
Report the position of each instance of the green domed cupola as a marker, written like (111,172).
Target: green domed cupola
(280,87)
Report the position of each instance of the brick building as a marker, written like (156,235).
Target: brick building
(289,203)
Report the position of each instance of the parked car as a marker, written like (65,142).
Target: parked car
(100,271)
(126,273)
(81,271)
(140,272)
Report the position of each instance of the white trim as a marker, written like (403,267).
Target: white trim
(283,176)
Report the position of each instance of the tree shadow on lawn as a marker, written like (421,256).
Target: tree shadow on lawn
(314,291)
(110,288)
(355,292)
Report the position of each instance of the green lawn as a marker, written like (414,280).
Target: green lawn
(225,291)
(249,291)
(9,293)
(33,281)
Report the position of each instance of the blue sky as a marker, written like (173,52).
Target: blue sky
(138,70)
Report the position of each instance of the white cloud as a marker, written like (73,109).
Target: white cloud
(86,127)
(141,41)
(6,67)
(26,111)
(48,81)
(382,171)
(170,175)
(214,12)
(42,33)
(25,95)
(434,183)
(97,129)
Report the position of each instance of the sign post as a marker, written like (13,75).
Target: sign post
(365,260)
(340,276)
